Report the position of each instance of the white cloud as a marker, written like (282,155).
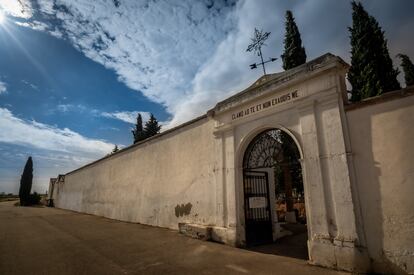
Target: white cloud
(64,108)
(17,8)
(227,70)
(35,25)
(154,47)
(125,116)
(31,85)
(41,26)
(187,55)
(129,117)
(109,128)
(3,87)
(46,6)
(42,136)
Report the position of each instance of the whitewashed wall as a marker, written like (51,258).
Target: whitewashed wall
(151,183)
(382,140)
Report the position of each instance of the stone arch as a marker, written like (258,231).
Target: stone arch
(247,139)
(259,151)
(273,139)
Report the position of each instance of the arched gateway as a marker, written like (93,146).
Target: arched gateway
(272,187)
(267,178)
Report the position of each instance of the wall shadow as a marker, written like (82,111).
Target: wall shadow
(374,198)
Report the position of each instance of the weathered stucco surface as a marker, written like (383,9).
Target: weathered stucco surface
(382,140)
(314,117)
(161,182)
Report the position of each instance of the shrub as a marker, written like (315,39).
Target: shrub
(34,199)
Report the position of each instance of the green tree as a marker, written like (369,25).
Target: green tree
(294,53)
(372,72)
(151,127)
(408,69)
(138,131)
(26,183)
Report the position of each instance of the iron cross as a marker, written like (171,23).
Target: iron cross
(256,46)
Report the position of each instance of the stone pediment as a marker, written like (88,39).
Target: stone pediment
(268,83)
(263,79)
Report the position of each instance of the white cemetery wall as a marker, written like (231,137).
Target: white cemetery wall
(165,181)
(382,140)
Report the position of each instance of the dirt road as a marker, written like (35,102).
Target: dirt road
(53,241)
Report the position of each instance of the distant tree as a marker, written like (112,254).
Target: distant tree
(294,53)
(151,127)
(116,149)
(408,69)
(26,183)
(138,131)
(371,71)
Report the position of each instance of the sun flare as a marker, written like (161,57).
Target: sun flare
(2,17)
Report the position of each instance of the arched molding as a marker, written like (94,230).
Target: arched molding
(247,139)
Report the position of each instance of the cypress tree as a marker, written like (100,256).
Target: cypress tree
(294,53)
(371,71)
(151,127)
(26,183)
(408,69)
(138,131)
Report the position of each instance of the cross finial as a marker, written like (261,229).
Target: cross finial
(256,46)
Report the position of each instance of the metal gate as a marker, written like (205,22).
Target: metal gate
(257,213)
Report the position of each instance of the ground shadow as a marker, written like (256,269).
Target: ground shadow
(294,246)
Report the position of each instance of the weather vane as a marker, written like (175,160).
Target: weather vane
(256,46)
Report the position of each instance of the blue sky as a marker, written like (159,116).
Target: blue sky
(75,73)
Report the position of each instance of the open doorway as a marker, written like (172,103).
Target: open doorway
(274,201)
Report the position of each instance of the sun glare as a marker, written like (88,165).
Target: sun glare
(2,17)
